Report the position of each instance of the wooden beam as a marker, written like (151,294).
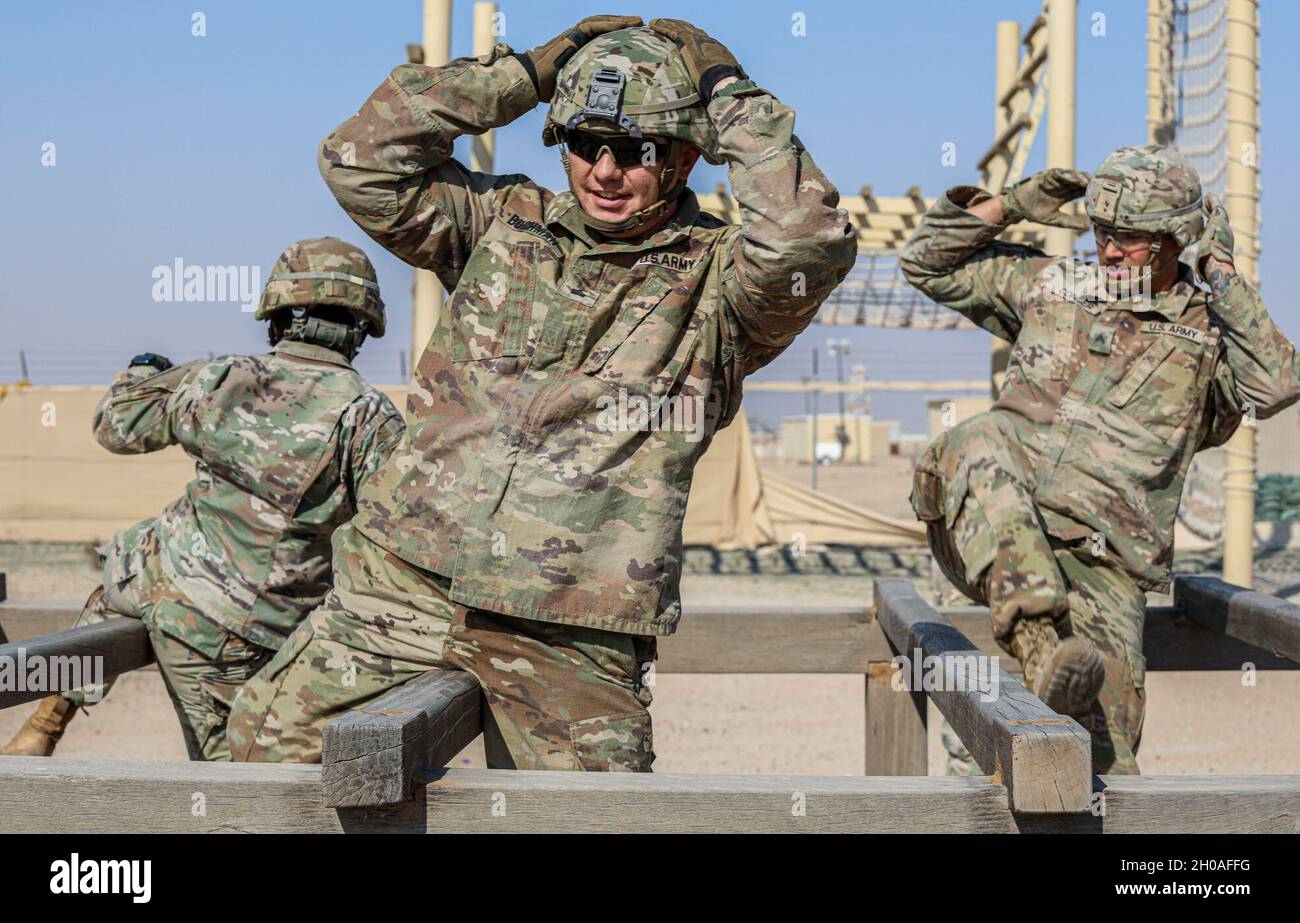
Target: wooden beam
(1044,759)
(31,618)
(896,726)
(116,646)
(755,638)
(1256,618)
(373,754)
(61,795)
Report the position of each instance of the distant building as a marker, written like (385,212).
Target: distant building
(865,439)
(946,412)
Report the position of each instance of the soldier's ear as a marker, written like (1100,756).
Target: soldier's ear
(689,156)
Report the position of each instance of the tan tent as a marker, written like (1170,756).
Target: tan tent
(735,505)
(57,484)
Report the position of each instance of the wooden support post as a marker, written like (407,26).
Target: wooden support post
(121,645)
(896,725)
(373,754)
(1255,618)
(1044,759)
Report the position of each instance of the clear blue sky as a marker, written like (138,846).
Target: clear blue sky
(203,149)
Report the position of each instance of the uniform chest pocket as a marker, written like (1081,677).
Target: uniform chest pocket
(492,307)
(1162,386)
(648,343)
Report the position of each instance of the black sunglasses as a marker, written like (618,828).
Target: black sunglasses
(626,151)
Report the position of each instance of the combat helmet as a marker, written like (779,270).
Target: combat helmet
(325,271)
(634,82)
(1150,189)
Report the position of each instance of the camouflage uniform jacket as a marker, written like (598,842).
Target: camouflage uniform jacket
(282,443)
(520,478)
(1111,395)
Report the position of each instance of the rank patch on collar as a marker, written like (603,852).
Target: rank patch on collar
(1177,330)
(667,260)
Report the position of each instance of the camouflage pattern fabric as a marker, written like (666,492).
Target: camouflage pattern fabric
(1061,500)
(201,686)
(994,546)
(520,480)
(559,697)
(282,443)
(959,762)
(1107,397)
(1151,189)
(325,271)
(660,96)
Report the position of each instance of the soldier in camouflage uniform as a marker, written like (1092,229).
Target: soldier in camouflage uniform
(1056,508)
(282,445)
(529,528)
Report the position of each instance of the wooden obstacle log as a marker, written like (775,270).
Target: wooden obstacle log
(115,646)
(63,795)
(1044,759)
(1256,618)
(373,754)
(755,638)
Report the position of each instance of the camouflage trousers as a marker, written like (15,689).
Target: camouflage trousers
(202,664)
(974,489)
(557,696)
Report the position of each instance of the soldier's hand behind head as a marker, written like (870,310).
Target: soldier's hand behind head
(1039,198)
(1216,240)
(707,60)
(544,62)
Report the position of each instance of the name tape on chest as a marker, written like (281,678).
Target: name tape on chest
(667,261)
(1178,330)
(536,228)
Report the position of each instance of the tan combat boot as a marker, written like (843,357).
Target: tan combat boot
(1066,674)
(43,729)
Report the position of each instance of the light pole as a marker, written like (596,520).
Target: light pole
(839,349)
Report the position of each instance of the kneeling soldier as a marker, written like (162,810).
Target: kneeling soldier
(1056,508)
(282,444)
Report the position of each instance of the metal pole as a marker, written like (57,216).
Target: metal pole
(1062,21)
(1160,76)
(1242,204)
(816,396)
(428,290)
(484,150)
(1005,69)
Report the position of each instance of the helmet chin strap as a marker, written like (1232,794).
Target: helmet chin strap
(669,189)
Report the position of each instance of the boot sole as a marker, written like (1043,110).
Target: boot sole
(1072,678)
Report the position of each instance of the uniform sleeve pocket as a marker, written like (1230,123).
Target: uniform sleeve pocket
(1138,373)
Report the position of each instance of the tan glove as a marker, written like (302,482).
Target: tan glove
(544,62)
(1216,240)
(1039,198)
(707,60)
